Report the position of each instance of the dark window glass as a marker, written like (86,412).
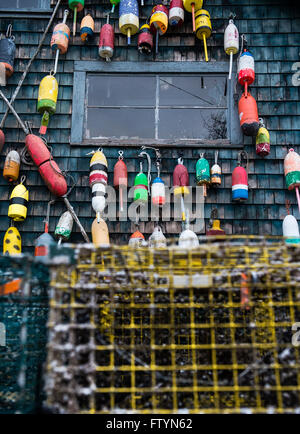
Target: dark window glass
(24,4)
(157,106)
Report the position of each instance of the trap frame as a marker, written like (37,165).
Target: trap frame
(207,330)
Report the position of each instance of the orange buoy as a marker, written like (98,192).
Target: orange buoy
(100,235)
(248,115)
(11,166)
(137,239)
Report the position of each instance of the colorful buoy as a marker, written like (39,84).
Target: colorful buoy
(145,40)
(203,28)
(129,18)
(248,115)
(203,172)
(292,172)
(64,227)
(18,203)
(76,6)
(239,183)
(11,166)
(216,229)
(87,28)
(114,4)
(141,187)
(12,243)
(98,169)
(262,140)
(176,13)
(231,43)
(246,71)
(216,172)
(159,22)
(137,239)
(47,99)
(98,198)
(61,36)
(181,183)
(192,6)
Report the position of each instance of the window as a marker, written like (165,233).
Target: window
(25,5)
(153,103)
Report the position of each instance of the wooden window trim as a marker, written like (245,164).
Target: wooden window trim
(82,68)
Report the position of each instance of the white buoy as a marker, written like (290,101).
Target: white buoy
(231,43)
(157,238)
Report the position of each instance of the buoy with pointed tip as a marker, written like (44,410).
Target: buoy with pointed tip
(18,203)
(11,166)
(2,140)
(192,6)
(203,28)
(12,243)
(216,229)
(203,172)
(47,99)
(137,239)
(188,239)
(100,234)
(292,172)
(106,41)
(176,13)
(98,168)
(145,40)
(246,71)
(64,227)
(159,22)
(8,51)
(129,18)
(216,172)
(76,6)
(248,115)
(87,27)
(231,43)
(157,238)
(181,183)
(290,229)
(120,178)
(262,140)
(61,36)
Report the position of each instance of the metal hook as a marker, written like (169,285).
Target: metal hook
(180,160)
(28,125)
(216,157)
(9,31)
(121,155)
(142,154)
(23,179)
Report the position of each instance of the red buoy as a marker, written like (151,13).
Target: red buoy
(48,169)
(120,177)
(180,176)
(248,115)
(106,41)
(2,140)
(145,40)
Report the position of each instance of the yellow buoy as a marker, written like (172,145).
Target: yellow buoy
(17,209)
(203,28)
(12,244)
(192,6)
(100,235)
(47,100)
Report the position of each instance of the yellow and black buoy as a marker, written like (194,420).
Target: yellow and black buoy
(203,28)
(17,209)
(12,243)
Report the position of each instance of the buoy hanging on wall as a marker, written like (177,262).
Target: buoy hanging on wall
(129,18)
(64,227)
(145,40)
(159,22)
(181,183)
(203,172)
(137,239)
(262,140)
(248,115)
(290,228)
(216,229)
(216,172)
(120,178)
(11,166)
(176,13)
(47,99)
(8,51)
(203,28)
(87,27)
(231,43)
(106,41)
(76,6)
(2,140)
(292,172)
(192,6)
(44,241)
(12,243)
(100,234)
(246,71)
(18,202)
(61,36)
(98,181)
(157,238)
(114,4)
(141,187)
(240,180)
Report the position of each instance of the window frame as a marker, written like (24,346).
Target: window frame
(44,6)
(82,68)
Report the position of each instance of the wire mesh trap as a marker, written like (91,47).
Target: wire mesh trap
(23,317)
(168,330)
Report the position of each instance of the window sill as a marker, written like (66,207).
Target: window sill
(136,143)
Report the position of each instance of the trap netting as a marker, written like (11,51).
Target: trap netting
(23,317)
(206,330)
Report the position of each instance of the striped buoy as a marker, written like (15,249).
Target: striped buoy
(137,239)
(239,182)
(262,140)
(129,18)
(87,27)
(203,172)
(203,28)
(159,22)
(17,209)
(145,40)
(158,192)
(176,13)
(61,36)
(98,168)
(246,71)
(216,172)
(181,183)
(11,166)
(141,187)
(98,198)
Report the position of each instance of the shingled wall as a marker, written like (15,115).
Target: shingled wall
(273,33)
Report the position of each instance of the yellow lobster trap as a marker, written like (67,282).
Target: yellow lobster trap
(205,330)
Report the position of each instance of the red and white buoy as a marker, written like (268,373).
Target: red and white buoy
(176,13)
(292,172)
(120,177)
(181,183)
(246,71)
(106,41)
(98,181)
